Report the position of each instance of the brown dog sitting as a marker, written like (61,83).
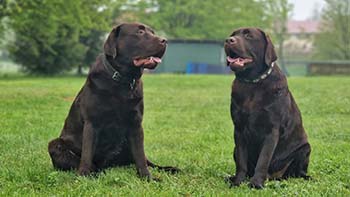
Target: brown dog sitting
(270,141)
(104,125)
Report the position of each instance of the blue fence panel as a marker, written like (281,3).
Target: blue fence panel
(203,68)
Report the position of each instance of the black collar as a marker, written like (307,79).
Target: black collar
(261,77)
(116,76)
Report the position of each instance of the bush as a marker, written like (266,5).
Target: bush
(50,35)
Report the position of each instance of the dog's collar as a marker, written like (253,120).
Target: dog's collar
(261,77)
(116,76)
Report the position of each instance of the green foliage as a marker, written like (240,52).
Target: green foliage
(50,34)
(199,19)
(334,40)
(278,12)
(3,9)
(3,14)
(187,123)
(94,42)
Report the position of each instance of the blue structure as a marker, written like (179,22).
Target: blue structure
(193,56)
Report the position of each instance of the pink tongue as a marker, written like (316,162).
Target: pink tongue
(238,61)
(156,59)
(230,59)
(147,61)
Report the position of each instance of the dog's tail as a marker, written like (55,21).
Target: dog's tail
(169,169)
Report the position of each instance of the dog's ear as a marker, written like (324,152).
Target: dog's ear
(270,53)
(110,46)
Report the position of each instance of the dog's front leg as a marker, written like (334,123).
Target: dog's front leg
(240,155)
(138,152)
(262,166)
(88,149)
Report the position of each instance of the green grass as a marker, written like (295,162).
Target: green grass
(187,123)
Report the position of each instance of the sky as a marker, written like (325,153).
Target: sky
(303,8)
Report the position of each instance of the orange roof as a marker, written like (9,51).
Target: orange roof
(296,27)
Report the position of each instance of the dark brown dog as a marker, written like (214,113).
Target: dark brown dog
(104,125)
(270,141)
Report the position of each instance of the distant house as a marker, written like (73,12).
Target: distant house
(300,37)
(302,28)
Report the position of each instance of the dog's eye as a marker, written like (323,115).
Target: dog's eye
(141,31)
(248,36)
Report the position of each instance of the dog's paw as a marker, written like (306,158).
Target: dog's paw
(234,181)
(150,178)
(256,183)
(146,175)
(84,171)
(306,177)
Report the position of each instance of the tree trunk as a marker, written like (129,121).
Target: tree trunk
(80,70)
(281,56)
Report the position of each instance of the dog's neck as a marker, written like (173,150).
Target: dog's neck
(123,68)
(120,72)
(255,74)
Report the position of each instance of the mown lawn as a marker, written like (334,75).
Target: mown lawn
(187,123)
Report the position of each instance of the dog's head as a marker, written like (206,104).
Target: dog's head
(135,44)
(249,48)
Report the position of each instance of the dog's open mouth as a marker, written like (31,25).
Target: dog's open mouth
(238,61)
(148,62)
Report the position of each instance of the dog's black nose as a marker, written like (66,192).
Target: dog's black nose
(163,41)
(231,40)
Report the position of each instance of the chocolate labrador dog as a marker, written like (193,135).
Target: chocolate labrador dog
(270,141)
(104,125)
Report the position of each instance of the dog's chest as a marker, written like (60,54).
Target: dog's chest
(247,103)
(127,109)
(248,109)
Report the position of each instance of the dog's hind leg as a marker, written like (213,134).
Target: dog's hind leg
(298,168)
(170,169)
(278,174)
(62,155)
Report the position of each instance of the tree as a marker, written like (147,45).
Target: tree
(93,36)
(93,42)
(48,34)
(3,14)
(278,12)
(333,43)
(198,19)
(316,13)
(3,10)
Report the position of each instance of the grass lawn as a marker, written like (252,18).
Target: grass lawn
(187,123)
